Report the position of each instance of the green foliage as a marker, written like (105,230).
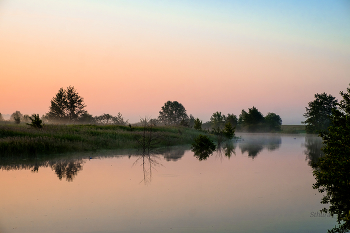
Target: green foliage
(318,113)
(172,113)
(252,120)
(203,147)
(229,131)
(67,106)
(217,121)
(332,171)
(273,122)
(232,119)
(197,124)
(36,121)
(19,140)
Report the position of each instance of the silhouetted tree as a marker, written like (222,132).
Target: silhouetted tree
(232,119)
(191,121)
(172,113)
(217,121)
(1,117)
(197,124)
(273,122)
(229,131)
(119,120)
(36,121)
(318,113)
(67,105)
(86,118)
(251,120)
(26,118)
(332,170)
(17,117)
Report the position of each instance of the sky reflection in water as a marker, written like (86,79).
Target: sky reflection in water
(264,186)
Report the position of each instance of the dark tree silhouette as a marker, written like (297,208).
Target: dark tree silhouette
(67,105)
(251,120)
(197,124)
(318,113)
(229,131)
(172,113)
(273,122)
(16,117)
(332,170)
(36,121)
(232,119)
(203,147)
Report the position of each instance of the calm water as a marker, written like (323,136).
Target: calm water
(266,186)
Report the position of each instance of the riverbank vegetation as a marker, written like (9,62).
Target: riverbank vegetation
(23,140)
(332,170)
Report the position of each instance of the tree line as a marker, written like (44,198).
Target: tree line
(67,106)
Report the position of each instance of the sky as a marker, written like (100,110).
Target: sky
(133,56)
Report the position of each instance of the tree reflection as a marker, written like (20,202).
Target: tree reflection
(67,169)
(227,149)
(173,153)
(148,161)
(254,144)
(313,150)
(202,147)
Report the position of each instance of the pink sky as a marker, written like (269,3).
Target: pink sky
(125,59)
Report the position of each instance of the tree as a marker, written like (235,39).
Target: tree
(36,121)
(217,121)
(67,105)
(1,117)
(229,131)
(191,121)
(251,120)
(318,113)
(332,171)
(172,113)
(197,124)
(232,118)
(87,118)
(26,118)
(273,122)
(104,119)
(119,120)
(17,117)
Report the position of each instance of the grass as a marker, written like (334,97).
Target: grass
(293,129)
(22,141)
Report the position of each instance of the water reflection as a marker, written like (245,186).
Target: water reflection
(67,168)
(253,144)
(226,149)
(313,150)
(173,153)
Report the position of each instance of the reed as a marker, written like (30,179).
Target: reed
(22,141)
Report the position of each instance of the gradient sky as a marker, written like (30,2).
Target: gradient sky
(133,56)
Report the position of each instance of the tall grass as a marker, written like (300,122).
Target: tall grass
(23,141)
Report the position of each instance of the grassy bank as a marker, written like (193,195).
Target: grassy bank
(23,141)
(293,129)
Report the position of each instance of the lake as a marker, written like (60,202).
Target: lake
(262,183)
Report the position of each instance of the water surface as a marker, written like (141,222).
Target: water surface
(263,185)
